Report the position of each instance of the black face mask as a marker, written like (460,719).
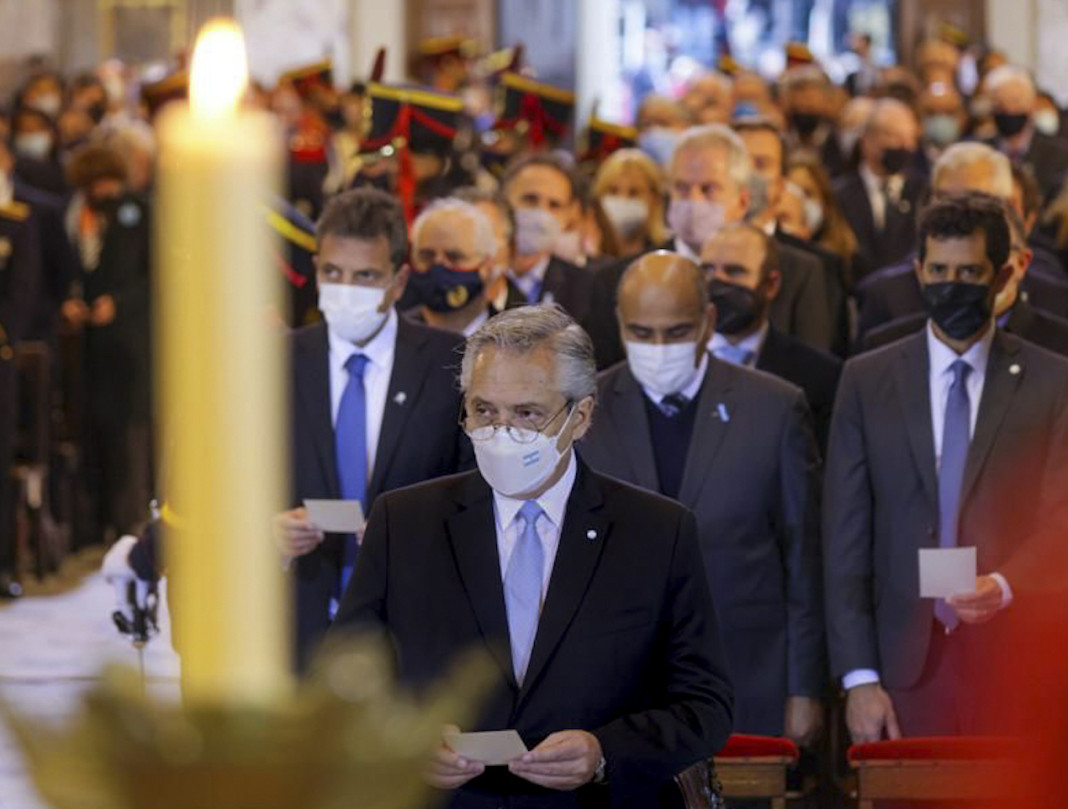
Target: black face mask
(104,206)
(334,119)
(960,310)
(895,160)
(1010,125)
(443,289)
(737,307)
(97,111)
(805,122)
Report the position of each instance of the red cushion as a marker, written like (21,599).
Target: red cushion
(744,745)
(935,748)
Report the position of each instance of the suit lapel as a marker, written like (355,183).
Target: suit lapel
(553,281)
(911,376)
(313,389)
(582,539)
(998,389)
(406,380)
(631,424)
(473,534)
(714,411)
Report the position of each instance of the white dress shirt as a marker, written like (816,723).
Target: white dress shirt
(553,505)
(940,358)
(686,251)
(533,279)
(754,344)
(873,184)
(380,352)
(476,324)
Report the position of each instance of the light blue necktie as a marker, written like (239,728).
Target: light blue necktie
(350,437)
(522,589)
(735,355)
(956,435)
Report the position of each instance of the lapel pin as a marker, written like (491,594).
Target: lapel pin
(722,413)
(591,534)
(1014,369)
(400,398)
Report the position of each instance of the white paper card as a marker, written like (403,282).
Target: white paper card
(494,748)
(335,516)
(946,572)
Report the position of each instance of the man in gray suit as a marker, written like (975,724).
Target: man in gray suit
(957,436)
(736,447)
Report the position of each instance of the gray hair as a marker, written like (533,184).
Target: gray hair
(524,329)
(484,236)
(718,136)
(482,196)
(968,153)
(1009,74)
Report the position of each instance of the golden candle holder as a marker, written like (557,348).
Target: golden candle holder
(349,738)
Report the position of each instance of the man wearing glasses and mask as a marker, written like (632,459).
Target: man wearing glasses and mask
(589,594)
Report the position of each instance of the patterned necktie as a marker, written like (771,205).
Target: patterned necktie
(735,355)
(350,435)
(522,589)
(673,404)
(956,435)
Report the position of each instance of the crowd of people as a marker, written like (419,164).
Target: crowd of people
(822,327)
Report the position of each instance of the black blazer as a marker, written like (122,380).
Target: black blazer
(834,284)
(20,274)
(815,372)
(59,263)
(569,286)
(1025,321)
(880,503)
(751,479)
(878,248)
(627,646)
(801,308)
(420,439)
(894,292)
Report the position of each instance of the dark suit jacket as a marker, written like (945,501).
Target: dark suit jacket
(815,372)
(898,236)
(627,646)
(1047,157)
(880,502)
(20,273)
(801,308)
(752,482)
(570,286)
(1025,321)
(420,439)
(834,285)
(59,263)
(894,292)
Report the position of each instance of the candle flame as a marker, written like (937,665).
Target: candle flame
(219,72)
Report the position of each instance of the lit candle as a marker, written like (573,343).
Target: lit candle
(221,378)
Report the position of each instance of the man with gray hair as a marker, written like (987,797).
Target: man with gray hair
(453,257)
(1013,99)
(708,177)
(589,595)
(880,198)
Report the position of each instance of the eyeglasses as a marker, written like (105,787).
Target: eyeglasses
(479,428)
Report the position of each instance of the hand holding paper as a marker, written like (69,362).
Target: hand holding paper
(336,516)
(493,748)
(946,572)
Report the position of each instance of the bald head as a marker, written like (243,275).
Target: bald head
(663,298)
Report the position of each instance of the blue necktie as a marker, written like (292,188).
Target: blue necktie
(350,437)
(522,589)
(735,355)
(956,435)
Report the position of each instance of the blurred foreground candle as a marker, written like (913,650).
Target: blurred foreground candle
(221,382)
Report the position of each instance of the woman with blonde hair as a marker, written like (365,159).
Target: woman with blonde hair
(629,189)
(824,222)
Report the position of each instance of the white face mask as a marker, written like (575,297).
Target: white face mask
(662,369)
(34,144)
(812,210)
(352,312)
(1048,122)
(536,231)
(515,468)
(628,215)
(49,104)
(695,221)
(569,247)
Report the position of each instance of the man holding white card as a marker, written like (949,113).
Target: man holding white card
(374,403)
(589,594)
(948,456)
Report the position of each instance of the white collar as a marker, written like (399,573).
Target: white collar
(476,324)
(941,356)
(686,251)
(379,351)
(553,502)
(754,342)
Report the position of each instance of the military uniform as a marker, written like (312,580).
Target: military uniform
(20,272)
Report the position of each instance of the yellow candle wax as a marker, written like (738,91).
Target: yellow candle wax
(221,386)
